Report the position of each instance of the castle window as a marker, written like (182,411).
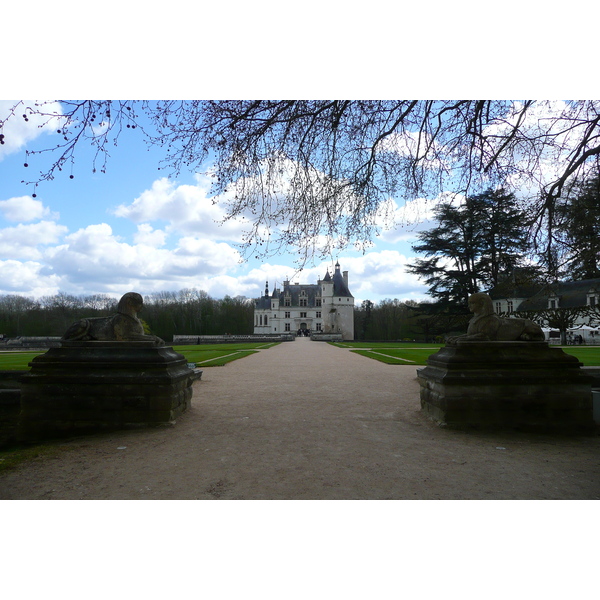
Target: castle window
(552,303)
(265,319)
(287,327)
(318,302)
(261,319)
(510,306)
(318,326)
(287,314)
(318,314)
(592,301)
(303,315)
(287,301)
(303,301)
(498,307)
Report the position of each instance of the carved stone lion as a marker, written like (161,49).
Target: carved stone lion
(488,326)
(124,326)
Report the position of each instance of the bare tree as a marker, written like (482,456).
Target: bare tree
(319,174)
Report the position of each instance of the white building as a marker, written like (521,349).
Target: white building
(584,295)
(326,306)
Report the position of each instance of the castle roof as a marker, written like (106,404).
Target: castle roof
(570,294)
(339,284)
(308,291)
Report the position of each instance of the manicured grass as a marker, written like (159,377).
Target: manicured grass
(16,361)
(417,354)
(588,355)
(204,355)
(370,345)
(214,358)
(393,356)
(228,347)
(217,355)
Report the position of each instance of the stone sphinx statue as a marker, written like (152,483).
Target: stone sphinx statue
(488,326)
(124,326)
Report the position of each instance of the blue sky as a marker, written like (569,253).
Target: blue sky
(133,228)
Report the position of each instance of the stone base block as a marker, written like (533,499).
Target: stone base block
(86,387)
(525,386)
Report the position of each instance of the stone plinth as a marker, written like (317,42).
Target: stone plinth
(85,387)
(524,386)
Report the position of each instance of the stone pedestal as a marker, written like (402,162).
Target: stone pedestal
(85,387)
(526,386)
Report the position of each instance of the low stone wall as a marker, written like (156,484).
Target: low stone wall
(182,340)
(326,337)
(30,342)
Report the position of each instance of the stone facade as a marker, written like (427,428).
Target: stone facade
(327,307)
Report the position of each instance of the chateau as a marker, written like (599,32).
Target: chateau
(327,306)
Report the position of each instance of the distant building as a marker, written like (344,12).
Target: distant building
(327,306)
(509,297)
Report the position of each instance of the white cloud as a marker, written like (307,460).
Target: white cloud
(379,275)
(186,208)
(147,236)
(18,131)
(22,241)
(413,217)
(24,208)
(96,258)
(28,278)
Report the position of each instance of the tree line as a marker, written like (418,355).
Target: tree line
(164,314)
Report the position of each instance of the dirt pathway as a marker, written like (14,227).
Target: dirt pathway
(306,420)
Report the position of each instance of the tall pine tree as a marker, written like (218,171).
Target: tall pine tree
(474,243)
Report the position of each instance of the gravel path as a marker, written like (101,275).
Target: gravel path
(306,420)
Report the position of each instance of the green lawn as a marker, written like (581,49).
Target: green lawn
(417,354)
(588,355)
(217,355)
(16,361)
(204,355)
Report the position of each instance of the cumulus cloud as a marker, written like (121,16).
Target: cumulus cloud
(414,216)
(187,209)
(147,236)
(27,277)
(94,256)
(24,208)
(379,275)
(18,131)
(23,241)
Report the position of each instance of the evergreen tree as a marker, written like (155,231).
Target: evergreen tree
(579,230)
(472,245)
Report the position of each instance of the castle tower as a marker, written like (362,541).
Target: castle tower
(338,304)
